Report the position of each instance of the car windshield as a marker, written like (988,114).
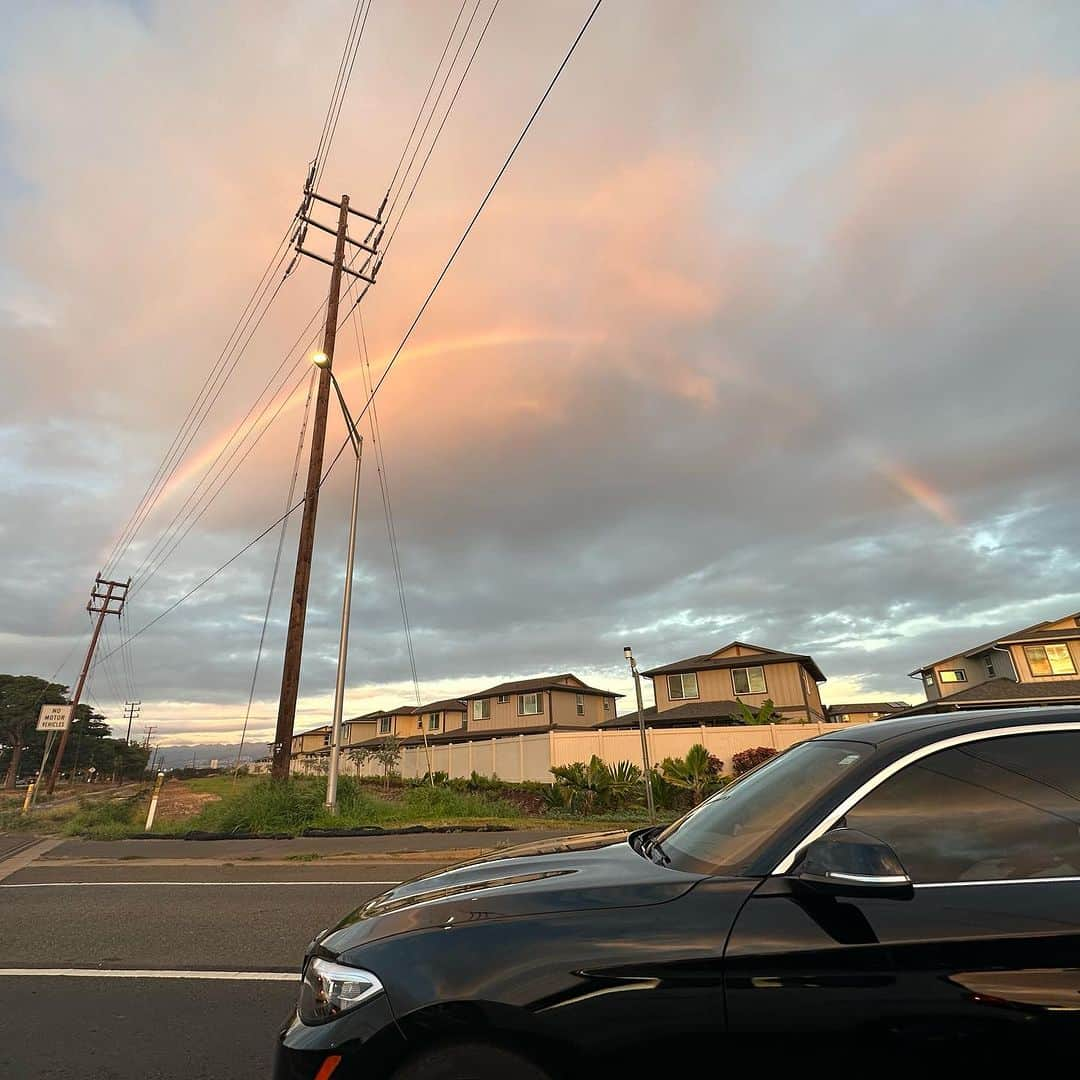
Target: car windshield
(724,832)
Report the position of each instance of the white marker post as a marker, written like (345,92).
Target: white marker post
(154,801)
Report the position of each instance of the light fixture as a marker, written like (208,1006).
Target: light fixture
(321,360)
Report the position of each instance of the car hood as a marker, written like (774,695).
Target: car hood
(598,870)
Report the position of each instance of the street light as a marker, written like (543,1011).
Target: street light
(321,360)
(629,654)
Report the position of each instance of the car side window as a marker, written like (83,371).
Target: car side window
(995,810)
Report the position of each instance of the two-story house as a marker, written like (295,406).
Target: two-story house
(707,689)
(1038,665)
(544,702)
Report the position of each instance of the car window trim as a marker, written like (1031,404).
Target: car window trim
(834,815)
(996,881)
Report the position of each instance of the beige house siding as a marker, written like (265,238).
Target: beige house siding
(1023,667)
(783,684)
(973,666)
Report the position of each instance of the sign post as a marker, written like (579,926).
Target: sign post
(51,719)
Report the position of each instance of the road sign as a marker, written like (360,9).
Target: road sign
(55,717)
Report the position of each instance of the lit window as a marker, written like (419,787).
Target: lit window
(1049,660)
(682,686)
(481,709)
(581,704)
(748,680)
(952,675)
(529,705)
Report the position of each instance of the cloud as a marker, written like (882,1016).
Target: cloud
(767,333)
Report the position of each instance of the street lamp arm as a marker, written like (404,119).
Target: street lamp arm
(354,436)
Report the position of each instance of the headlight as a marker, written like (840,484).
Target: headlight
(328,990)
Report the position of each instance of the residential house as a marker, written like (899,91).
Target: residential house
(861,712)
(308,746)
(1037,665)
(707,689)
(548,701)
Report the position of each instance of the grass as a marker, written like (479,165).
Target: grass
(258,805)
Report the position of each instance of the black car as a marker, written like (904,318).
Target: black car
(911,878)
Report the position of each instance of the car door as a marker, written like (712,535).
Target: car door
(988,828)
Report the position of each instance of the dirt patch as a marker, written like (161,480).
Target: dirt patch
(179,801)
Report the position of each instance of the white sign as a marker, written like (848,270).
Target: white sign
(55,717)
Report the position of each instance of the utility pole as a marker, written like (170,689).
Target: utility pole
(131,712)
(147,732)
(106,598)
(294,642)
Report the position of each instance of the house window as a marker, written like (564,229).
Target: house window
(529,705)
(950,675)
(580,704)
(1049,660)
(683,686)
(326,739)
(928,678)
(481,709)
(607,705)
(988,660)
(433,721)
(504,699)
(748,680)
(384,724)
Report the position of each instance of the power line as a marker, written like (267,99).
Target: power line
(408,333)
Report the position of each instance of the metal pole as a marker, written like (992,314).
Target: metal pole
(49,739)
(294,642)
(346,612)
(644,737)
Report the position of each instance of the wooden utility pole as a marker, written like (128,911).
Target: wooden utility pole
(294,643)
(109,602)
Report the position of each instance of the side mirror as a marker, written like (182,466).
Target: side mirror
(846,862)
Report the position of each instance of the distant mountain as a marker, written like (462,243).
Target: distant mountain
(177,757)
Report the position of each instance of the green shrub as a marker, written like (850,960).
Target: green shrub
(106,819)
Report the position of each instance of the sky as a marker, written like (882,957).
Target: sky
(768,333)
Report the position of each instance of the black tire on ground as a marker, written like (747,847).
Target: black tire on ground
(469,1061)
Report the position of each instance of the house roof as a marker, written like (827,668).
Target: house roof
(1041,635)
(1016,636)
(996,692)
(447,705)
(466,735)
(312,731)
(870,706)
(709,713)
(762,655)
(543,682)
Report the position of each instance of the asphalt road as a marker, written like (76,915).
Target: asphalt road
(94,917)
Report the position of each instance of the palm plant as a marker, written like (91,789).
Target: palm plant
(694,773)
(764,714)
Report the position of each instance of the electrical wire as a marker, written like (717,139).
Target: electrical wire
(408,333)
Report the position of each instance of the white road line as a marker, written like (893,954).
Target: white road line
(151,973)
(173,884)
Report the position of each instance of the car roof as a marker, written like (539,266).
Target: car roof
(914,731)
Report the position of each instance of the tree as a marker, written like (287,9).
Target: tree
(21,698)
(765,714)
(386,753)
(697,773)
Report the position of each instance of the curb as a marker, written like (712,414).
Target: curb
(364,830)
